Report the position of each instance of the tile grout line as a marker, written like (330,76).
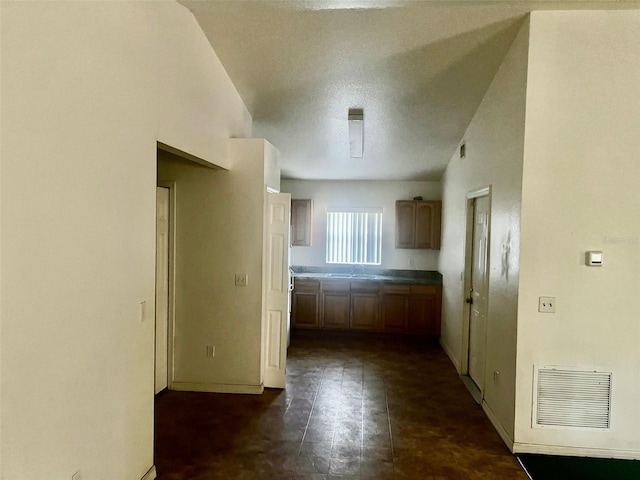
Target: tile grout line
(333,433)
(313,406)
(361,420)
(386,401)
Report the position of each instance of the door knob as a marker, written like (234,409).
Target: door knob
(469,300)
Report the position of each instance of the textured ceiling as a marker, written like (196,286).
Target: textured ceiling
(418,69)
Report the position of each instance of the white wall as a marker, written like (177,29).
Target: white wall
(580,192)
(87,90)
(494,151)
(362,194)
(271,164)
(219,228)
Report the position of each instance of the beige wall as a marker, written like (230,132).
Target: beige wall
(580,192)
(271,164)
(87,90)
(570,168)
(494,149)
(219,233)
(362,194)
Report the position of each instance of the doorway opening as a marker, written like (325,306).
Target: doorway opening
(165,211)
(476,291)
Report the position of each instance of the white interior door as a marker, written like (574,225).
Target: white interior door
(478,290)
(162,287)
(276,289)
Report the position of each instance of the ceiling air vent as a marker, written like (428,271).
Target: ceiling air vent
(564,397)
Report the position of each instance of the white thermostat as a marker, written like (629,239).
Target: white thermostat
(594,259)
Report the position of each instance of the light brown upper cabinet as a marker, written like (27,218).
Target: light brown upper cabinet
(301,219)
(418,224)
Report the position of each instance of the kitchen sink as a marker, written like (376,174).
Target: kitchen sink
(350,275)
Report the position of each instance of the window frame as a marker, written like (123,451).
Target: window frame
(368,251)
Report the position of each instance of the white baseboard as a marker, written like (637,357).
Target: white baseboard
(217,388)
(150,475)
(576,451)
(453,359)
(498,426)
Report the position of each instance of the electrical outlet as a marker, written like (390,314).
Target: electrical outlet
(211,351)
(547,304)
(242,279)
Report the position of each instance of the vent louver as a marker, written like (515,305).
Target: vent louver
(572,398)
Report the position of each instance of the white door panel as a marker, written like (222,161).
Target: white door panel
(276,289)
(478,293)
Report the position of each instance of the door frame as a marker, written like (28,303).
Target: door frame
(171,185)
(468,258)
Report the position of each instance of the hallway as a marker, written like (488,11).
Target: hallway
(372,408)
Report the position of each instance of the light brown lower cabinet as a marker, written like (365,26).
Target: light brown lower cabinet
(305,304)
(335,305)
(367,306)
(395,307)
(424,309)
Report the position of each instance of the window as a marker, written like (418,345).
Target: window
(354,235)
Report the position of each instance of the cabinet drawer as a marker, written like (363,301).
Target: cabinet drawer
(336,286)
(365,286)
(303,285)
(401,289)
(424,289)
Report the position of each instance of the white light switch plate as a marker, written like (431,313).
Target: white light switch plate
(547,304)
(242,279)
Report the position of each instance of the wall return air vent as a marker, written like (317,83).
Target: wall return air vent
(565,397)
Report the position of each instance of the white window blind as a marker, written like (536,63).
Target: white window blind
(354,235)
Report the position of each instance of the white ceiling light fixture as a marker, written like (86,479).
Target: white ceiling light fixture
(356,132)
(347,4)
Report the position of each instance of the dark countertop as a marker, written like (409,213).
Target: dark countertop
(341,272)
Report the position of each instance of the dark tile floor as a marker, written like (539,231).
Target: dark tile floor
(354,408)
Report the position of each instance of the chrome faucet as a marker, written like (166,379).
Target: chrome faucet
(353,269)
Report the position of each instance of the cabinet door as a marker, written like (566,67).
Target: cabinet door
(424,310)
(306,304)
(405,223)
(335,305)
(427,225)
(364,311)
(395,308)
(301,219)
